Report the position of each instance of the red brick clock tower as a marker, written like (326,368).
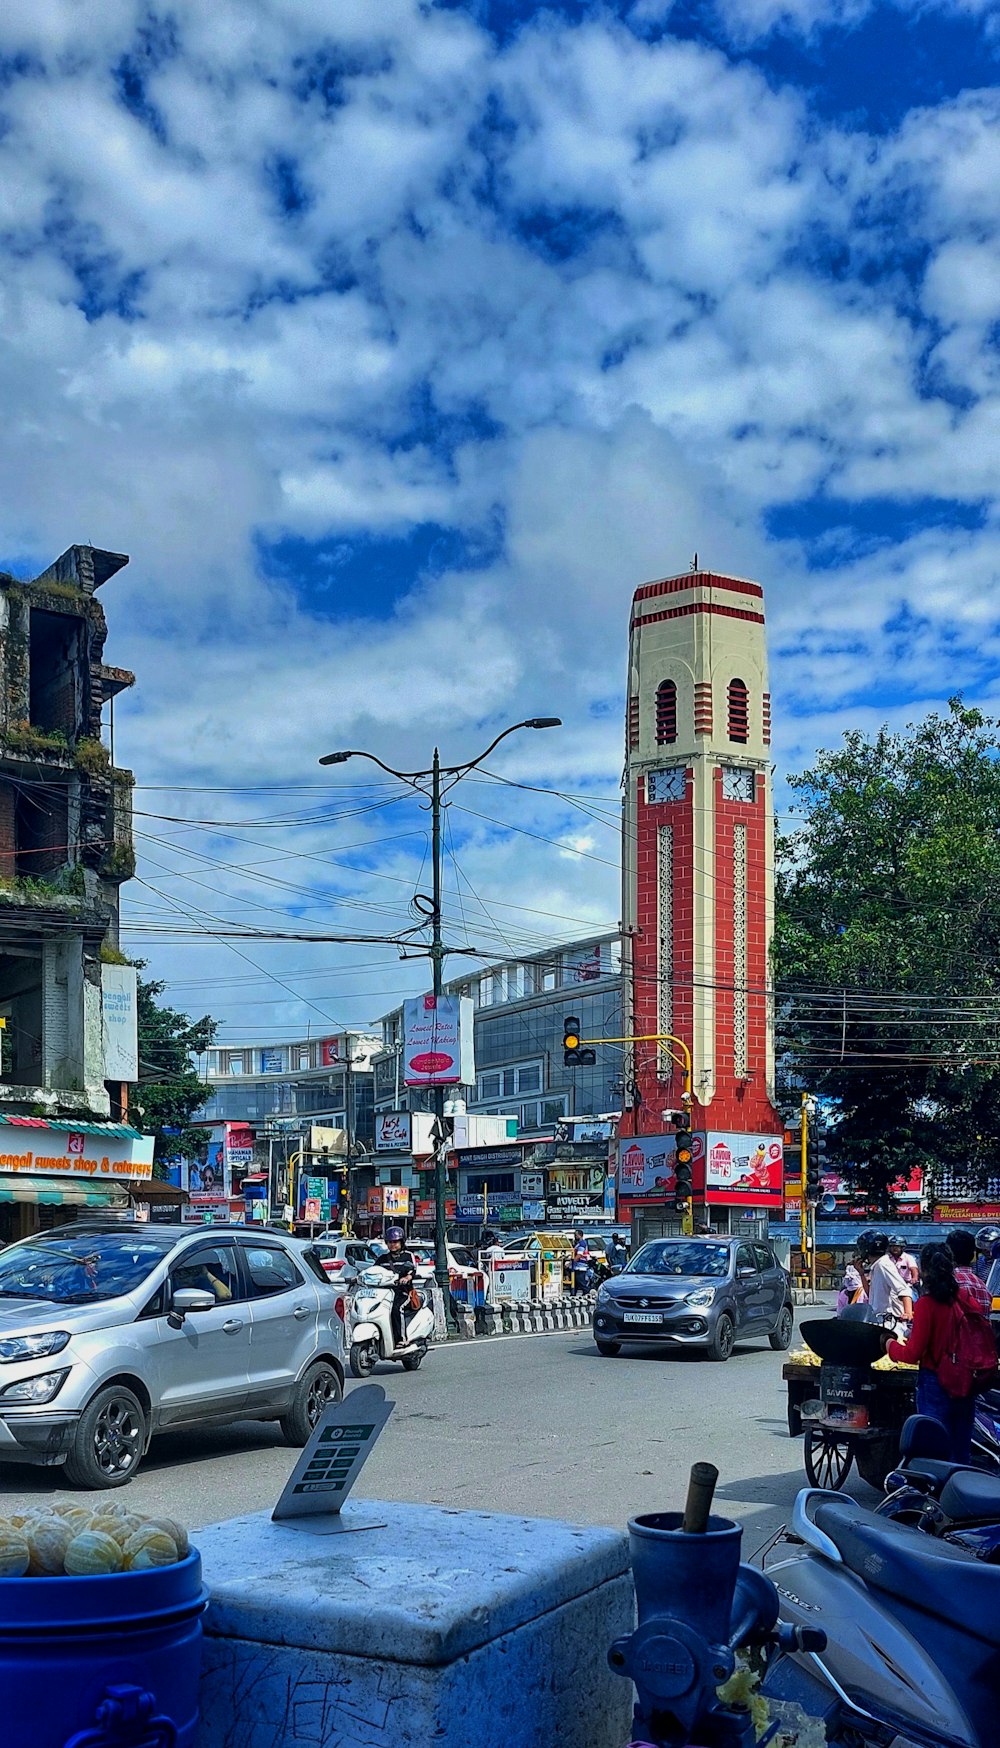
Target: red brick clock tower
(698,904)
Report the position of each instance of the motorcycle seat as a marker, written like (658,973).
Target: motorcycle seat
(937,1470)
(971,1493)
(930,1575)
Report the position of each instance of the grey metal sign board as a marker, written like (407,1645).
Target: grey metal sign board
(328,1467)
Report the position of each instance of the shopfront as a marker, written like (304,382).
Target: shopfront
(51,1172)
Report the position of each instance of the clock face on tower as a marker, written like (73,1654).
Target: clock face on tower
(666,785)
(737,783)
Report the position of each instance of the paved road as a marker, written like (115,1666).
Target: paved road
(538,1425)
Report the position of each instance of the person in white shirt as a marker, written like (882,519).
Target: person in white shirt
(907,1265)
(888,1294)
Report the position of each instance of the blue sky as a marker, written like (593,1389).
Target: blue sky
(398,343)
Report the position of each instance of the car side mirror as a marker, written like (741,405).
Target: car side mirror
(745,1270)
(188,1299)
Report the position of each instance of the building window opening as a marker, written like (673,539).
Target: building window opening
(41,832)
(54,669)
(21,979)
(666,713)
(739,711)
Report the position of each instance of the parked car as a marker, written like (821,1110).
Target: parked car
(704,1293)
(343,1258)
(461,1260)
(109,1334)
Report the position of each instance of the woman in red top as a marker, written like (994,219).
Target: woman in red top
(933,1320)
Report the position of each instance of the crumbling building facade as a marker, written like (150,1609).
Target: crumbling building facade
(65,836)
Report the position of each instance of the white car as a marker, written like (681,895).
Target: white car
(461,1260)
(344,1258)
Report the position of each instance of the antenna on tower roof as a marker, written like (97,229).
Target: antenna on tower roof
(694,562)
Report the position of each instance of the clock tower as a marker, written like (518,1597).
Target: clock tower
(698,877)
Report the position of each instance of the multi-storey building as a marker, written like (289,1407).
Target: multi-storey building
(520,1008)
(65,849)
(324,1080)
(698,889)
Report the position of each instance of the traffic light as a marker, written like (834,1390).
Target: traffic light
(815,1161)
(573,1055)
(683,1158)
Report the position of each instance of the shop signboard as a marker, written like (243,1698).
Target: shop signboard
(506,1209)
(968,1213)
(375,1204)
(392,1132)
(329,1051)
(424,1210)
(273,1061)
(437,1041)
(472,1159)
(75,1153)
(533,1211)
(119,1013)
(238,1144)
(395,1199)
(533,1185)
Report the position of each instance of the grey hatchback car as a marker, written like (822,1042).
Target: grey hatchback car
(704,1293)
(111,1333)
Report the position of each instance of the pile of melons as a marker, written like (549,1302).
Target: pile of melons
(67,1540)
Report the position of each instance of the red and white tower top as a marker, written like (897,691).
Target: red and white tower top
(698,875)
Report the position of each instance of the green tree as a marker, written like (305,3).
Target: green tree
(887,945)
(169,1090)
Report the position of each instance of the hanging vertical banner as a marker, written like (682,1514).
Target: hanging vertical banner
(119,1009)
(437,1041)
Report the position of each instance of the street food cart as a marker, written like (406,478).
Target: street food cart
(847,1401)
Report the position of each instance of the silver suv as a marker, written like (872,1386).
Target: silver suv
(109,1334)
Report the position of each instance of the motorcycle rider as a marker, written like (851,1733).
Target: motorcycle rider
(988,1248)
(889,1296)
(402,1263)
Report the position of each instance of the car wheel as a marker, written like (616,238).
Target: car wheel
(610,1349)
(363,1358)
(782,1336)
(110,1440)
(721,1345)
(314,1392)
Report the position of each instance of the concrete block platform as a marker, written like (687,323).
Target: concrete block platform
(441,1627)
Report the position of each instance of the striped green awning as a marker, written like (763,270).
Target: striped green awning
(57,1192)
(109,1131)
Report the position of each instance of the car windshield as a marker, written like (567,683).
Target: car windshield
(463,1257)
(675,1257)
(76,1269)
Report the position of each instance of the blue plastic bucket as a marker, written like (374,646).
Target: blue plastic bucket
(112,1659)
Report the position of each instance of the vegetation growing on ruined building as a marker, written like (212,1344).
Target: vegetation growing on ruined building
(22,738)
(92,756)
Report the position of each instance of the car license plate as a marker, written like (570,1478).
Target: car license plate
(640,1317)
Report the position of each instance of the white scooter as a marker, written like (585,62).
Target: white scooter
(371,1325)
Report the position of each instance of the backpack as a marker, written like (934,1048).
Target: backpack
(968,1363)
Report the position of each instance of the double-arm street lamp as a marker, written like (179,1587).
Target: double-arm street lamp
(437,952)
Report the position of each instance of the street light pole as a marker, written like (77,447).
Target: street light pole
(437,951)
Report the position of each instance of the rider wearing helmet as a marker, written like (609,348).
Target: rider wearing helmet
(402,1263)
(987,1249)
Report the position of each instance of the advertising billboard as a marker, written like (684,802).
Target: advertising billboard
(119,1016)
(437,1041)
(743,1168)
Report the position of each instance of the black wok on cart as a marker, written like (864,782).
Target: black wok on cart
(845,1411)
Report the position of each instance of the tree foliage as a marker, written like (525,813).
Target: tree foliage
(169,1090)
(887,945)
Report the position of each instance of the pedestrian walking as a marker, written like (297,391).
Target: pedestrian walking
(854,1288)
(973,1290)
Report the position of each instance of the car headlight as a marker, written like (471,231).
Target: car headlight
(602,1293)
(33,1347)
(700,1296)
(40,1389)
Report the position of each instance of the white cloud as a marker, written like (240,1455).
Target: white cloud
(662,322)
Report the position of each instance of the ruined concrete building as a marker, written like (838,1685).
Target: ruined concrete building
(65,835)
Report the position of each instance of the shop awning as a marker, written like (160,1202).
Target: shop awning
(153,1189)
(55,1192)
(111,1131)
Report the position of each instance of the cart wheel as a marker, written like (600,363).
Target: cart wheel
(875,1461)
(827,1458)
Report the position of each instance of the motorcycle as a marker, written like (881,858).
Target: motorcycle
(371,1324)
(886,1637)
(956,1502)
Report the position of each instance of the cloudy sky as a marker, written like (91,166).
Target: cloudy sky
(397,342)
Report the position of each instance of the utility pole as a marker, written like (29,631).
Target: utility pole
(442,1272)
(437,952)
